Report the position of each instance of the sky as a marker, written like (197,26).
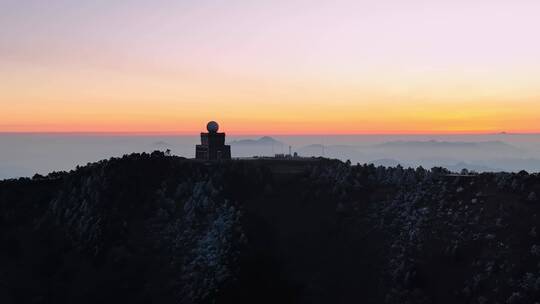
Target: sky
(270,67)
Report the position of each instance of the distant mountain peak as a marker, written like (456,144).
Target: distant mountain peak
(262,141)
(161,143)
(447,144)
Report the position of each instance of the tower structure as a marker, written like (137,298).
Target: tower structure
(212,145)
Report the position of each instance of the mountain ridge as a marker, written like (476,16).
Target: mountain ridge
(155,228)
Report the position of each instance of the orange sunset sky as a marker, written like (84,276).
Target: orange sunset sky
(270,67)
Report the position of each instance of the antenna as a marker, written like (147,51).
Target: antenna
(322,145)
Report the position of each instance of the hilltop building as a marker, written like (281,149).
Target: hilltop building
(212,145)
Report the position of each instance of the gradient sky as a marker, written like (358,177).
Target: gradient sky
(275,67)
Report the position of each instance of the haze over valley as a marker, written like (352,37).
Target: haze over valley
(28,154)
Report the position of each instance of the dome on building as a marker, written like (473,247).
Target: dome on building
(212,127)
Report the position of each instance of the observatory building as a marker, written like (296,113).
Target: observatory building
(212,145)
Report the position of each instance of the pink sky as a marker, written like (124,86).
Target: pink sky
(270,67)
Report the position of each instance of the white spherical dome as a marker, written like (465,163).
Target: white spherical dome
(212,127)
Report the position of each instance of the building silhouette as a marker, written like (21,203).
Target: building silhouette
(212,145)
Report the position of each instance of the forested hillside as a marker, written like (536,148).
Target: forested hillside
(151,228)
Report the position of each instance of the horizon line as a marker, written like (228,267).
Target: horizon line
(179,133)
